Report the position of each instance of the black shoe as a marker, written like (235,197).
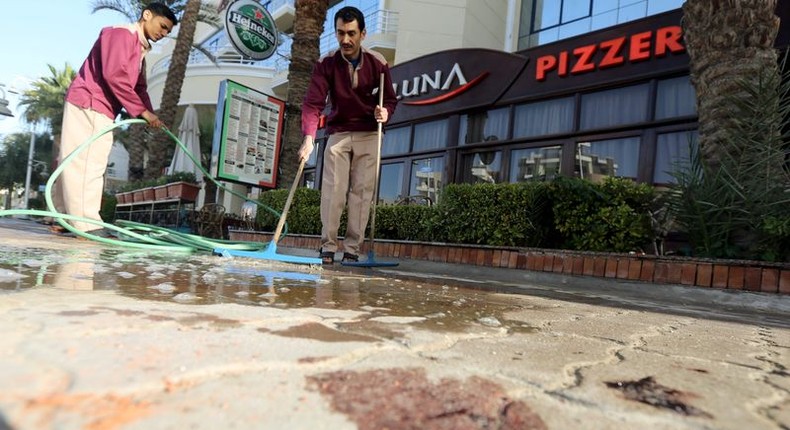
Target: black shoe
(327,257)
(352,258)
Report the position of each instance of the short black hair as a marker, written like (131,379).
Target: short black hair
(349,14)
(160,9)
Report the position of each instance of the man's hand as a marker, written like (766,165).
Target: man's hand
(381,114)
(306,149)
(153,120)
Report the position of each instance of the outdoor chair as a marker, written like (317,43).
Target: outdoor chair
(209,220)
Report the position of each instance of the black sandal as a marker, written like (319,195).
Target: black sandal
(350,257)
(327,257)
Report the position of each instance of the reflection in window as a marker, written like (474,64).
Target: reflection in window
(543,118)
(484,127)
(309,179)
(545,21)
(482,167)
(614,107)
(319,146)
(396,141)
(426,178)
(614,157)
(391,183)
(676,97)
(673,153)
(541,164)
(430,135)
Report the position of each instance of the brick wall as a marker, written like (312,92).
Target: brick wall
(706,273)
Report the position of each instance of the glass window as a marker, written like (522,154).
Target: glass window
(575,28)
(391,183)
(613,157)
(575,9)
(673,153)
(484,127)
(427,178)
(658,6)
(535,164)
(601,6)
(309,179)
(547,14)
(676,97)
(313,158)
(483,167)
(396,141)
(614,107)
(632,11)
(430,135)
(543,118)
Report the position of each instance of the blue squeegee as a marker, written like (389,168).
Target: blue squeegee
(270,253)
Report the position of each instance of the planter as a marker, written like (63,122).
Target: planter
(124,197)
(160,192)
(138,196)
(148,194)
(183,190)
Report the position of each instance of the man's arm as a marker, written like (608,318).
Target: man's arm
(312,106)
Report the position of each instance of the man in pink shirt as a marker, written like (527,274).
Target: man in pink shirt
(111,78)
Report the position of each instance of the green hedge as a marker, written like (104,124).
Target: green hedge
(614,215)
(566,213)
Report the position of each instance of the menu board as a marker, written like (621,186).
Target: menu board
(247,135)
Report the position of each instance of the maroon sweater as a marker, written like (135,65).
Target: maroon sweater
(350,93)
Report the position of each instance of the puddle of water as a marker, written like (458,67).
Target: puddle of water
(205,279)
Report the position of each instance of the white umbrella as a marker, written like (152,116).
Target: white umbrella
(189,135)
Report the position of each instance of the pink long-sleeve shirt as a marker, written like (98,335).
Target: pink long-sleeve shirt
(113,77)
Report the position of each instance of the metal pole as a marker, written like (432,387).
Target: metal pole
(29,166)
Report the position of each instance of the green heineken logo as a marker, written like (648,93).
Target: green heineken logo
(251,29)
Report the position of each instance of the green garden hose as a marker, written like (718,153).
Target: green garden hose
(155,238)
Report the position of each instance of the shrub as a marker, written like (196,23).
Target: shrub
(612,216)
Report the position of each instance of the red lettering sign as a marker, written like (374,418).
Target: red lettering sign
(612,53)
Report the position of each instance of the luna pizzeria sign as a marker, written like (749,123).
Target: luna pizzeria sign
(466,79)
(251,29)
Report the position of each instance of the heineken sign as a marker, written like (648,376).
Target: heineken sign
(251,29)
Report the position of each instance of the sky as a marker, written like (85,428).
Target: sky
(40,32)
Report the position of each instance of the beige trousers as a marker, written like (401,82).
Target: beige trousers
(80,185)
(349,171)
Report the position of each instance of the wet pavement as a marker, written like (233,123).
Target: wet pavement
(98,337)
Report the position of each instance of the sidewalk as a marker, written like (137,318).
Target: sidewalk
(99,338)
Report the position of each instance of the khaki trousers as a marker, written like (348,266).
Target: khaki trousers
(81,183)
(349,171)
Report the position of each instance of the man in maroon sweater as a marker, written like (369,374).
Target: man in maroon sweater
(350,79)
(111,78)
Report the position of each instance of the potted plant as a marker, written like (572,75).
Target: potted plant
(160,188)
(182,185)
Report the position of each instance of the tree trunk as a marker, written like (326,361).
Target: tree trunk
(162,147)
(728,41)
(308,27)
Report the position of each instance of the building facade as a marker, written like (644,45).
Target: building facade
(497,91)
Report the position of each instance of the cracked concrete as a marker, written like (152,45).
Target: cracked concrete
(97,347)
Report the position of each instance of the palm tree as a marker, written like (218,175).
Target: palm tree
(729,43)
(308,26)
(43,103)
(161,148)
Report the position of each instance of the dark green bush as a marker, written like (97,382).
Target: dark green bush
(610,216)
(303,217)
(107,211)
(494,214)
(405,222)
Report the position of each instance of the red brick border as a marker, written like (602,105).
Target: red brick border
(723,274)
